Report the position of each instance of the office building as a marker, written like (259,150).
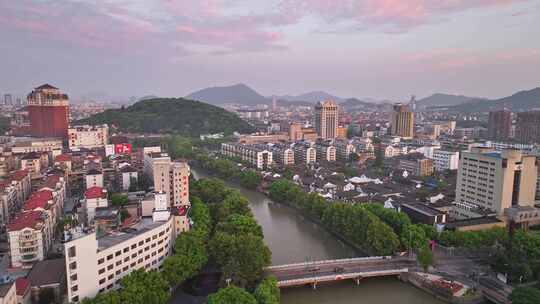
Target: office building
(326,119)
(500,124)
(492,180)
(402,121)
(48,110)
(528,127)
(88,137)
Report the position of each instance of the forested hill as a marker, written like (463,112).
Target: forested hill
(171,115)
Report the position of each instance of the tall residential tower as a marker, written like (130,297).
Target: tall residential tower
(48,110)
(402,121)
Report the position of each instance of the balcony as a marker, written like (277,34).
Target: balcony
(29,257)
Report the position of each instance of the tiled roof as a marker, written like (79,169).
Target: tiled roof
(22,285)
(51,181)
(37,200)
(19,174)
(95,192)
(25,220)
(63,158)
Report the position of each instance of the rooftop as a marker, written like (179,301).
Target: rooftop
(473,222)
(22,285)
(95,192)
(422,208)
(47,272)
(114,238)
(25,220)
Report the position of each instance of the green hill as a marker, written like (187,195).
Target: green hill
(171,115)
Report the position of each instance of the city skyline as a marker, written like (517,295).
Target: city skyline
(379,49)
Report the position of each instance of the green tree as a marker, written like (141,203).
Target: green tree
(111,297)
(279,188)
(179,147)
(250,179)
(425,257)
(141,287)
(414,237)
(525,295)
(380,239)
(231,295)
(119,199)
(210,191)
(267,292)
(234,202)
(240,224)
(242,257)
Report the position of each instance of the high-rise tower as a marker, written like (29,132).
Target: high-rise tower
(326,119)
(402,121)
(48,110)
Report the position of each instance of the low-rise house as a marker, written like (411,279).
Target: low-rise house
(48,275)
(127,175)
(94,197)
(30,237)
(422,213)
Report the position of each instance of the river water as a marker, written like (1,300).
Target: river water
(292,238)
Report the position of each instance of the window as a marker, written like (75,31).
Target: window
(141,243)
(118,263)
(109,286)
(75,299)
(110,267)
(133,246)
(75,288)
(72,252)
(73,277)
(101,281)
(118,272)
(110,277)
(126,249)
(73,265)
(119,252)
(102,270)
(109,257)
(125,268)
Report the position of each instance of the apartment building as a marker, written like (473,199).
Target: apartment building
(30,237)
(127,175)
(13,192)
(93,178)
(259,156)
(327,119)
(402,121)
(88,137)
(418,166)
(305,153)
(37,145)
(35,162)
(283,155)
(445,160)
(344,149)
(94,197)
(325,151)
(96,264)
(493,180)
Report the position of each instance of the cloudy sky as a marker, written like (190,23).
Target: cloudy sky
(362,48)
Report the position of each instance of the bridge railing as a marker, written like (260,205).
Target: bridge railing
(314,263)
(334,277)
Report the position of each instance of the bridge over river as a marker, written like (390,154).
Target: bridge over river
(341,269)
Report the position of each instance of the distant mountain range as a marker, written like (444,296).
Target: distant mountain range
(441,100)
(521,101)
(244,95)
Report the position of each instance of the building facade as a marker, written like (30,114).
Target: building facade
(326,119)
(283,155)
(259,156)
(304,153)
(48,110)
(491,180)
(500,124)
(88,137)
(528,127)
(445,160)
(402,121)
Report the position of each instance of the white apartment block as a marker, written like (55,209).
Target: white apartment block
(283,155)
(492,180)
(305,153)
(256,155)
(326,153)
(37,145)
(169,177)
(88,137)
(445,160)
(30,237)
(95,265)
(94,178)
(94,197)
(344,149)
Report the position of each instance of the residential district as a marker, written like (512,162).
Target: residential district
(83,206)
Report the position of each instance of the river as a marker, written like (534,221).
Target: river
(292,238)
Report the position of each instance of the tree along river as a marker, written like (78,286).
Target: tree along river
(292,238)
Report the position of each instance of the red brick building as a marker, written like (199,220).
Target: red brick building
(48,111)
